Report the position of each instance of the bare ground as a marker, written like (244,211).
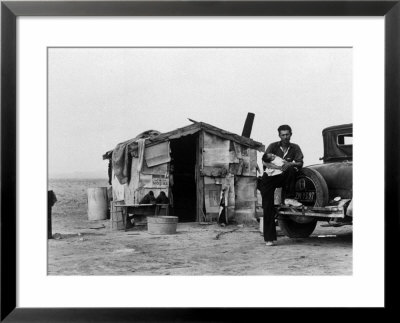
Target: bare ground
(195,250)
(83,247)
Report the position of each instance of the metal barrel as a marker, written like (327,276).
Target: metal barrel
(97,203)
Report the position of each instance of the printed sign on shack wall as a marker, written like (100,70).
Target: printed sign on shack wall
(160,181)
(154,181)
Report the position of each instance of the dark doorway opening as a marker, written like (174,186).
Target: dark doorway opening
(183,153)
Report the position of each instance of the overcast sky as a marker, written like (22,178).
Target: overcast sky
(99,97)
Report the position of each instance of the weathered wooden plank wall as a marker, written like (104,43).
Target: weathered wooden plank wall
(212,194)
(232,166)
(246,198)
(200,216)
(215,152)
(220,165)
(230,185)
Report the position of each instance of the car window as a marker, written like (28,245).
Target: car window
(345,139)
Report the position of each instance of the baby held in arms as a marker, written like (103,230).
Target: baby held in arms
(273,164)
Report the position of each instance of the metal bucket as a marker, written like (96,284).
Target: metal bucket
(162,224)
(97,203)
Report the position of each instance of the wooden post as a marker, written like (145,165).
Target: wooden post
(199,178)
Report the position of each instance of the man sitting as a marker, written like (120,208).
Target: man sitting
(292,161)
(273,166)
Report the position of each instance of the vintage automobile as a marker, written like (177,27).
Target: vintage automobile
(325,189)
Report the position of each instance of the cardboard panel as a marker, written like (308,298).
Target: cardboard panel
(246,199)
(212,195)
(216,151)
(249,162)
(243,161)
(229,184)
(246,192)
(211,140)
(237,150)
(154,181)
(236,168)
(233,158)
(161,169)
(160,181)
(157,154)
(216,157)
(212,180)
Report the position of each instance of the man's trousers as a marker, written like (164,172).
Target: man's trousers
(267,188)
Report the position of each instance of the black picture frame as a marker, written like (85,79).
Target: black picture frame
(10,10)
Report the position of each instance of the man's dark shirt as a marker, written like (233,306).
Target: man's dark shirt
(294,153)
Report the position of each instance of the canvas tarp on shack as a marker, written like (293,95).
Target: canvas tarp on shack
(123,153)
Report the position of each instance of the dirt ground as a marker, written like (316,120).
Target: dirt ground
(82,247)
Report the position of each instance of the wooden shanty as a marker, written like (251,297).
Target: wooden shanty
(193,165)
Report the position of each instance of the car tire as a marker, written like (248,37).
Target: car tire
(299,226)
(293,229)
(322,192)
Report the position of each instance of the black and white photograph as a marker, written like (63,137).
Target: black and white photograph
(176,160)
(200,161)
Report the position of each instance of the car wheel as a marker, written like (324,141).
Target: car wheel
(311,190)
(293,229)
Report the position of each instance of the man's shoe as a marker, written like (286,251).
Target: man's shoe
(292,202)
(270,243)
